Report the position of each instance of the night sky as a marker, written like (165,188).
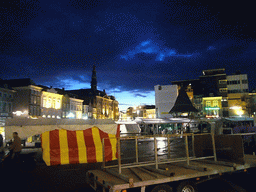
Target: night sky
(133,44)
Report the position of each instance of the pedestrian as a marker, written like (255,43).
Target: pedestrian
(16,147)
(1,143)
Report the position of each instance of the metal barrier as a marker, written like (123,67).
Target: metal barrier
(158,161)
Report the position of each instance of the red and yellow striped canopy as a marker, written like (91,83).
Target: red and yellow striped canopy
(82,146)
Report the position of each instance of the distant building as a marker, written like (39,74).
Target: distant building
(216,94)
(239,101)
(142,111)
(237,83)
(6,101)
(214,85)
(51,103)
(165,97)
(27,97)
(100,105)
(76,108)
(6,105)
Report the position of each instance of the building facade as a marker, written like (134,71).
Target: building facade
(214,84)
(216,94)
(6,105)
(237,83)
(76,108)
(51,103)
(100,105)
(212,107)
(238,95)
(165,97)
(27,97)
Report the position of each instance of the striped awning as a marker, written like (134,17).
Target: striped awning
(80,146)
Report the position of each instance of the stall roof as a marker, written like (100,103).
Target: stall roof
(163,121)
(29,127)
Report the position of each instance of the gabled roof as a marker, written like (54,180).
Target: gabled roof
(183,103)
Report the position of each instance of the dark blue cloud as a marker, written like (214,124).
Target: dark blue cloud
(134,45)
(150,47)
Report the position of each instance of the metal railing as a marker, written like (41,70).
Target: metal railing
(157,161)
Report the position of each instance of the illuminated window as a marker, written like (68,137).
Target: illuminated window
(208,103)
(215,103)
(58,104)
(223,90)
(44,102)
(49,102)
(53,103)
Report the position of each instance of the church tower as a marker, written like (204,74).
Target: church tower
(94,79)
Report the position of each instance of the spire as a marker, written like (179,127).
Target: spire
(94,79)
(183,103)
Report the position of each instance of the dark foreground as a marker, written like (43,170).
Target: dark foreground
(73,178)
(40,178)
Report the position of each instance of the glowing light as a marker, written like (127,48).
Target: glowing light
(239,112)
(212,108)
(18,113)
(235,107)
(71,115)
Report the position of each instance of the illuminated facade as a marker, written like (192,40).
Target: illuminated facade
(75,108)
(143,111)
(212,106)
(238,95)
(100,105)
(237,103)
(106,107)
(149,113)
(51,103)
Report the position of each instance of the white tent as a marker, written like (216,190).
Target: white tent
(128,127)
(29,127)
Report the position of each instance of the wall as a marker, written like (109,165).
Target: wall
(165,97)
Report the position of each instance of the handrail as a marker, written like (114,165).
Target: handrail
(157,161)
